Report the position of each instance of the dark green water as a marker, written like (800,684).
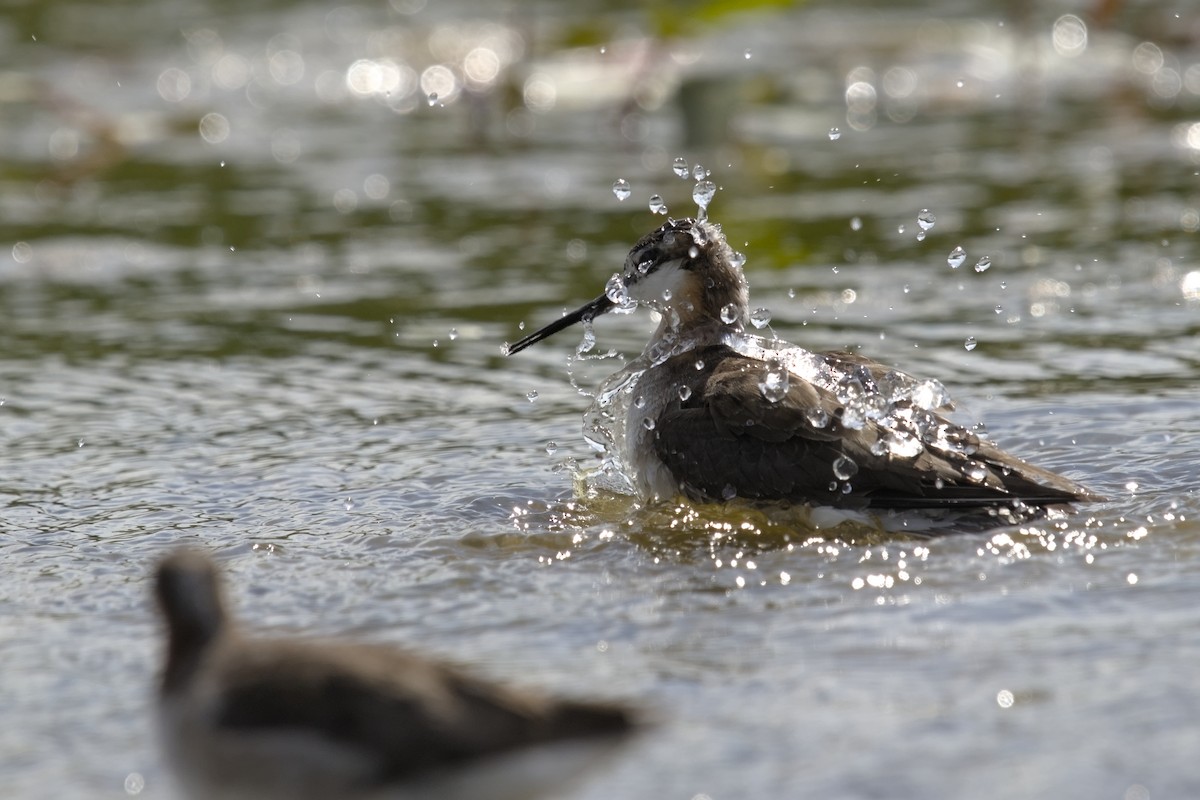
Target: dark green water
(253,291)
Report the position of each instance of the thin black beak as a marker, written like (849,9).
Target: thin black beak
(585,314)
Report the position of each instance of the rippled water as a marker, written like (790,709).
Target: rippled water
(275,332)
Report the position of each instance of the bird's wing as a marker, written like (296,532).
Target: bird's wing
(406,714)
(727,439)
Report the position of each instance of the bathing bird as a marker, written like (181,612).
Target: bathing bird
(712,412)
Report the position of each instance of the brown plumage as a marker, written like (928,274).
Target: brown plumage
(307,719)
(835,429)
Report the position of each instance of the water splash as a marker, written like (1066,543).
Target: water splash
(702,194)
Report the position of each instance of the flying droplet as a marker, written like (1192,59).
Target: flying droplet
(844,468)
(856,223)
(970,343)
(729,313)
(774,383)
(737,260)
(817,417)
(622,189)
(920,236)
(748,55)
(956,258)
(657,204)
(684,393)
(703,193)
(983,264)
(699,365)
(453,334)
(432,99)
(348,504)
(531,396)
(760,317)
(835,134)
(551,448)
(926,219)
(699,173)
(680,168)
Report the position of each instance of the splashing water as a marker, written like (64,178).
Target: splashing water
(703,193)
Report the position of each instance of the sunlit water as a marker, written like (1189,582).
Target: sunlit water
(236,331)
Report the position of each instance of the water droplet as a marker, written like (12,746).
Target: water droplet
(639,402)
(729,313)
(956,258)
(976,473)
(703,193)
(983,264)
(349,504)
(999,309)
(729,492)
(432,99)
(666,295)
(926,219)
(970,343)
(622,189)
(551,448)
(920,236)
(680,168)
(856,223)
(904,445)
(835,134)
(657,204)
(817,417)
(900,229)
(844,468)
(684,393)
(747,54)
(453,334)
(699,365)
(760,317)
(617,292)
(775,380)
(791,292)
(531,396)
(737,260)
(699,173)
(588,343)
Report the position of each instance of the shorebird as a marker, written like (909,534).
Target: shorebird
(259,718)
(712,412)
